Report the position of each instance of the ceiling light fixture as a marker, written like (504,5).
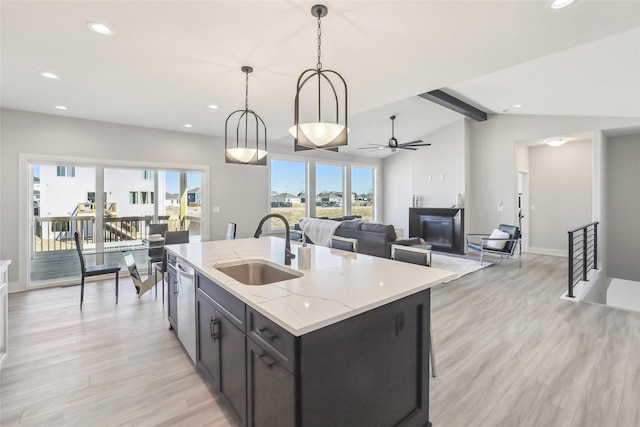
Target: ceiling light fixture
(556,142)
(244,152)
(48,75)
(100,28)
(321,134)
(61,107)
(187,125)
(559,4)
(213,107)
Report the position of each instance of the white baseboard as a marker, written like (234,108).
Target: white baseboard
(548,251)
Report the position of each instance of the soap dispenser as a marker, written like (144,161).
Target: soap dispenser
(304,255)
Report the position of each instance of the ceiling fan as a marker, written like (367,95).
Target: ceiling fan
(393,142)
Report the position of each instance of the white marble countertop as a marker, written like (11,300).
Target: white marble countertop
(338,285)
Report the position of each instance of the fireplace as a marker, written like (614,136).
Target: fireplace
(442,228)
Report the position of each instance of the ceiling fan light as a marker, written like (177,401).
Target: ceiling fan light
(245,155)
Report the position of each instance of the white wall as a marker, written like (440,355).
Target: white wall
(623,207)
(240,191)
(493,167)
(436,174)
(560,188)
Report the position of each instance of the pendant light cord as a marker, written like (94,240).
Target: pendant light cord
(246,91)
(319,64)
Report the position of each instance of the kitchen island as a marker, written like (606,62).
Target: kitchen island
(342,343)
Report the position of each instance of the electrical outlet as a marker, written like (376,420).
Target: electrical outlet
(216,209)
(500,207)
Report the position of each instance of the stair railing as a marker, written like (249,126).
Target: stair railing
(583,253)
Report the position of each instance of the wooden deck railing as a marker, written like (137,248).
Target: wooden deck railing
(56,233)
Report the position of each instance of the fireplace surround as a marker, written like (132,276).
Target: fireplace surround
(442,228)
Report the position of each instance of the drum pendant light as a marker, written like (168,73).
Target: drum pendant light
(328,132)
(246,151)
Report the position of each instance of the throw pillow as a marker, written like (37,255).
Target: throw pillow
(497,244)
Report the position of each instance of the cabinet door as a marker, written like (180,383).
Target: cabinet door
(221,353)
(232,374)
(206,335)
(172,294)
(271,390)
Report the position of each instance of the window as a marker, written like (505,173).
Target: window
(329,190)
(60,207)
(362,195)
(66,171)
(288,197)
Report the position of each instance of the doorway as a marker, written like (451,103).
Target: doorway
(522,209)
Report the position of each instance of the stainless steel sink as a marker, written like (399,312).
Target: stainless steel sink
(256,272)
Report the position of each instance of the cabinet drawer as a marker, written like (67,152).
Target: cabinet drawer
(232,308)
(279,343)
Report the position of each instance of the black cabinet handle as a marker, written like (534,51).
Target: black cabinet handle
(270,362)
(214,328)
(268,334)
(176,291)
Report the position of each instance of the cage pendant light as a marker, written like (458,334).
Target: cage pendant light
(246,150)
(329,131)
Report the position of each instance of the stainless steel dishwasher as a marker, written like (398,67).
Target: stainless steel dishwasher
(186,308)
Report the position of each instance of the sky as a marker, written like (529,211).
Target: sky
(289,177)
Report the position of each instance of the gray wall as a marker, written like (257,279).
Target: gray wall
(493,169)
(560,188)
(241,192)
(623,207)
(436,174)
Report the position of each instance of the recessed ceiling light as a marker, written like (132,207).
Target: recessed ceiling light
(213,107)
(48,75)
(559,4)
(187,125)
(556,142)
(61,107)
(100,28)
(517,106)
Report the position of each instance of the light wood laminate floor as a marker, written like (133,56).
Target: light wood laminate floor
(509,352)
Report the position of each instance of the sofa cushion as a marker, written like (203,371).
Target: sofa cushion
(354,224)
(380,228)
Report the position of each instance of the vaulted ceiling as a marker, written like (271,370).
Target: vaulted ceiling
(169,60)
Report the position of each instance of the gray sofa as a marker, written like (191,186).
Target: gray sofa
(373,238)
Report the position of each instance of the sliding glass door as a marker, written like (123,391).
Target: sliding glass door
(110,207)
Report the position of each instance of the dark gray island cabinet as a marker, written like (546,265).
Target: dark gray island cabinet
(370,369)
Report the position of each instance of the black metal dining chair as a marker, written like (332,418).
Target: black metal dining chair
(94,270)
(170,238)
(155,252)
(418,256)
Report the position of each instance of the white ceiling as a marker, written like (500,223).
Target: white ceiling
(170,59)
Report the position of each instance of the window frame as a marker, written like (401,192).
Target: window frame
(310,186)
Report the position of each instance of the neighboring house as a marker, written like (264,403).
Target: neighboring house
(284,200)
(62,188)
(329,198)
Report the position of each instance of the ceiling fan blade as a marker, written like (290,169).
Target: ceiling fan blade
(420,145)
(374,147)
(408,148)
